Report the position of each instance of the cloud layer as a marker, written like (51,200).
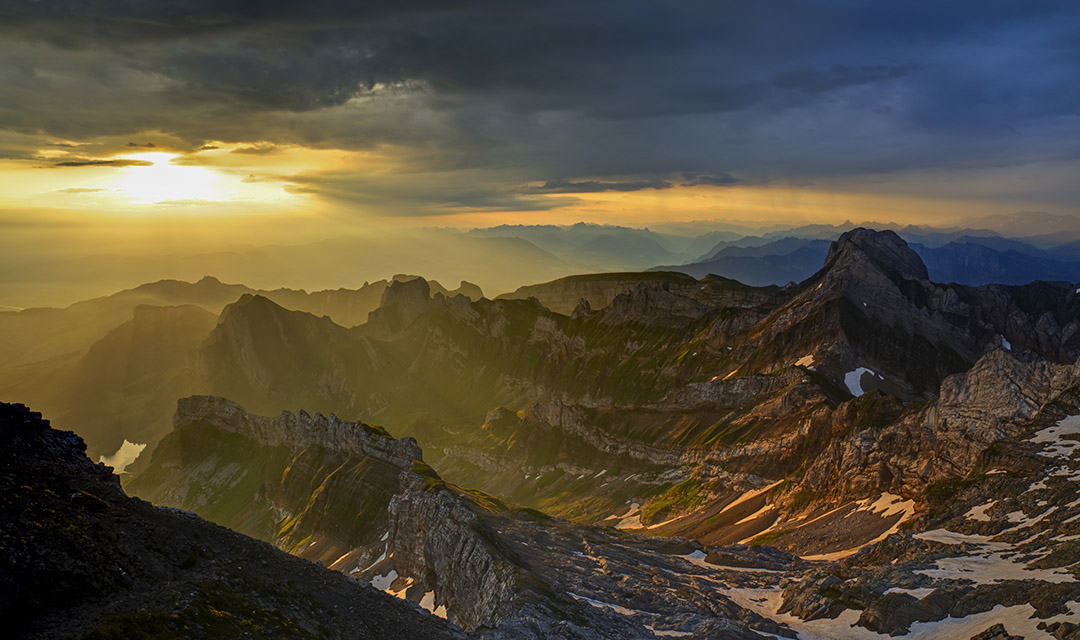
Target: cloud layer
(525,100)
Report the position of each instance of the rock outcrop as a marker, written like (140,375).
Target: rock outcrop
(872,307)
(884,249)
(339,492)
(598,291)
(499,572)
(444,544)
(79,559)
(297,431)
(996,399)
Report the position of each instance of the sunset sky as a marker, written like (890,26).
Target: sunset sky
(186,121)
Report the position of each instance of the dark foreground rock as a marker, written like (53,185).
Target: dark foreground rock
(80,559)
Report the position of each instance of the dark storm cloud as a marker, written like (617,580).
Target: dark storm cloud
(570,94)
(615,59)
(810,80)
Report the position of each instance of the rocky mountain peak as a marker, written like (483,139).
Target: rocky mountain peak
(402,302)
(885,249)
(405,290)
(249,302)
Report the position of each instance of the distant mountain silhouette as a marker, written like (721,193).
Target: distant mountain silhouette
(964,259)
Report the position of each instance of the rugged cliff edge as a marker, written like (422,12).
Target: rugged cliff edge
(338,492)
(79,559)
(298,430)
(986,540)
(347,494)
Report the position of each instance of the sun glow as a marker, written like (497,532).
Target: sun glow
(163,181)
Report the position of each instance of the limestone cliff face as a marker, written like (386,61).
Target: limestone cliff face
(439,541)
(996,399)
(601,290)
(298,431)
(335,491)
(735,391)
(653,301)
(563,295)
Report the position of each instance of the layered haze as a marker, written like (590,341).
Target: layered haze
(137,140)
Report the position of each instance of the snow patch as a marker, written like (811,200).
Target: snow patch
(668,521)
(631,519)
(919,593)
(382,583)
(990,568)
(986,565)
(1055,444)
(979,513)
(1018,620)
(755,515)
(428,602)
(766,602)
(697,558)
(853,380)
(753,493)
(614,607)
(668,633)
(945,536)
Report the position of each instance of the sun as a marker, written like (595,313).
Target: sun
(164,181)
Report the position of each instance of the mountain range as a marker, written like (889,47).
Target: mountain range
(963,259)
(628,454)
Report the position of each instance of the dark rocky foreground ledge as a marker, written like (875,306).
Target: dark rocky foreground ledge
(80,559)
